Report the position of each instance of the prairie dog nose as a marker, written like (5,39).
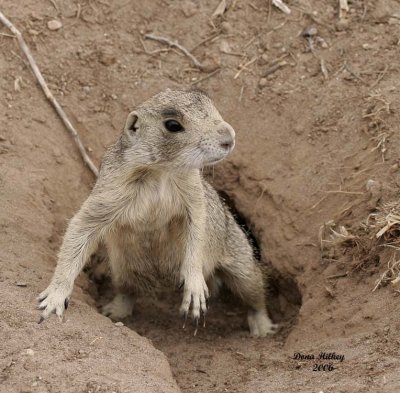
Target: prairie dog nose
(227,136)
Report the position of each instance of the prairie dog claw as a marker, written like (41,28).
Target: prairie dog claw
(196,324)
(54,299)
(195,294)
(184,320)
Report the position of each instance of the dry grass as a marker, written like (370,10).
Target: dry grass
(391,274)
(365,244)
(386,222)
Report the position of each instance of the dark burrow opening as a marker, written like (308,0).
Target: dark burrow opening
(283,294)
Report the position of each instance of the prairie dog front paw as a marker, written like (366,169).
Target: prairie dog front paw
(195,294)
(54,299)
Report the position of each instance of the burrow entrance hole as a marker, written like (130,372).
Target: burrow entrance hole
(156,315)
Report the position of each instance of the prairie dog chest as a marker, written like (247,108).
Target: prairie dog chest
(150,250)
(153,204)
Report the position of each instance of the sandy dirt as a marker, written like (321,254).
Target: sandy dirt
(309,137)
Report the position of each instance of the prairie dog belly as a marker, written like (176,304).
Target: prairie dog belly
(145,259)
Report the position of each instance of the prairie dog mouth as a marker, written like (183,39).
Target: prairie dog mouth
(215,160)
(209,163)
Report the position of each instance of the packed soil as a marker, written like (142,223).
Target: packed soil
(313,97)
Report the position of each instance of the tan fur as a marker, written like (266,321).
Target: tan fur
(159,219)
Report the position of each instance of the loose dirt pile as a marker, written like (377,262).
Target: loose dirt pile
(314,100)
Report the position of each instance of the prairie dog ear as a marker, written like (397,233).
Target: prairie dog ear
(131,123)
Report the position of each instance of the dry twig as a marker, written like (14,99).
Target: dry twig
(344,192)
(153,52)
(324,70)
(219,11)
(241,93)
(7,35)
(355,74)
(269,12)
(175,44)
(48,94)
(275,67)
(206,77)
(55,6)
(343,8)
(282,6)
(211,38)
(380,77)
(339,275)
(244,66)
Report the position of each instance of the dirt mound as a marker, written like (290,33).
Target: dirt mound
(313,98)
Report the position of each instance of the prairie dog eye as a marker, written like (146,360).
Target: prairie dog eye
(173,126)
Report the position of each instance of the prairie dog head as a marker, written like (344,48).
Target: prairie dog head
(177,129)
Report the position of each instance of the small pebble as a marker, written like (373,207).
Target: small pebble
(21,284)
(30,352)
(107,57)
(119,324)
(210,65)
(39,120)
(265,58)
(394,167)
(226,28)
(324,44)
(342,24)
(224,46)
(189,9)
(263,82)
(36,16)
(54,24)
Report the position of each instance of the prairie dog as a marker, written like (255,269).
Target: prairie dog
(159,218)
